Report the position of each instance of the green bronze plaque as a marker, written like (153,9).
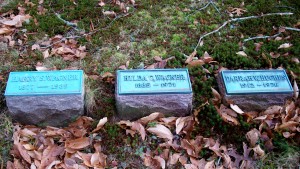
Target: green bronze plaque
(44,83)
(154,81)
(239,82)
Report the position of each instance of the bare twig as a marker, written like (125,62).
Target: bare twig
(261,37)
(214,5)
(292,29)
(73,25)
(285,7)
(274,36)
(205,6)
(106,27)
(235,20)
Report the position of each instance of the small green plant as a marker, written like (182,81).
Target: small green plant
(6,130)
(90,103)
(152,124)
(112,131)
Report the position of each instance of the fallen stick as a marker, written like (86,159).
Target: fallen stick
(261,37)
(73,25)
(238,19)
(273,36)
(292,29)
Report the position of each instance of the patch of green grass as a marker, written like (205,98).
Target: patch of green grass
(120,147)
(6,130)
(285,155)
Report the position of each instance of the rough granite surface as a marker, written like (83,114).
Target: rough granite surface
(131,107)
(53,110)
(252,102)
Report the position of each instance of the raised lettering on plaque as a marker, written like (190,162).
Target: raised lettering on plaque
(156,81)
(256,81)
(44,83)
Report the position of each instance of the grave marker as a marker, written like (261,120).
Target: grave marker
(45,97)
(254,89)
(142,92)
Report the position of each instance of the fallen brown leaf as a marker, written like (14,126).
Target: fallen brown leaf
(288,134)
(225,110)
(107,74)
(17,20)
(23,152)
(253,137)
(161,161)
(274,55)
(260,153)
(272,110)
(123,67)
(86,158)
(183,160)
(161,131)
(195,63)
(46,54)
(190,58)
(77,144)
(258,46)
(136,126)
(168,121)
(101,3)
(236,109)
(154,163)
(229,119)
(210,165)
(241,53)
(100,124)
(285,46)
(185,125)
(5,30)
(190,166)
(296,90)
(237,11)
(50,154)
(290,126)
(152,117)
(109,13)
(173,159)
(207,58)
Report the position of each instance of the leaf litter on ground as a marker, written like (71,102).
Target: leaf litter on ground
(60,147)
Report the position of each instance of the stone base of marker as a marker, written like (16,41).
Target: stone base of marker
(45,98)
(139,93)
(51,110)
(136,106)
(253,102)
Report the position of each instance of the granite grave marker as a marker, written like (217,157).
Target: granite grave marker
(142,92)
(254,90)
(44,98)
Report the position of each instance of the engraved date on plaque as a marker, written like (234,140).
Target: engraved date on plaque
(44,82)
(256,81)
(157,81)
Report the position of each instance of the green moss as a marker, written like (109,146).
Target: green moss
(158,52)
(229,58)
(178,39)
